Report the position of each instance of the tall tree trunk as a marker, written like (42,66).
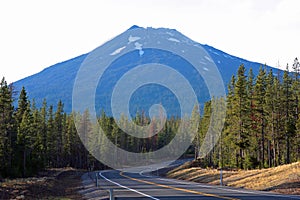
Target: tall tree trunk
(269,154)
(262,141)
(287,149)
(24,163)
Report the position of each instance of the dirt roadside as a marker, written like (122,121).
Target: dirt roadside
(282,179)
(52,184)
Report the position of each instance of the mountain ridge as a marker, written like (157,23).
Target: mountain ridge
(55,82)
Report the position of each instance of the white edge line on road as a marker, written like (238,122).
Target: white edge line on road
(127,188)
(222,188)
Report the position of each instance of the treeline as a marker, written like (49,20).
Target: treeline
(262,125)
(32,139)
(158,135)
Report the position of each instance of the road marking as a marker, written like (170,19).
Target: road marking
(169,180)
(127,188)
(176,188)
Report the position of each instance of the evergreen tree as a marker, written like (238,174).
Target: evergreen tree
(289,120)
(241,109)
(68,138)
(22,105)
(253,150)
(37,139)
(24,141)
(23,117)
(296,68)
(203,129)
(43,133)
(278,124)
(50,139)
(58,133)
(270,116)
(296,96)
(229,158)
(7,136)
(260,90)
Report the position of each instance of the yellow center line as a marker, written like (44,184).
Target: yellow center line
(178,189)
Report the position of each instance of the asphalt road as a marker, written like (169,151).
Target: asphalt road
(143,185)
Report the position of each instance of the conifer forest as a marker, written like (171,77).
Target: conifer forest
(261,128)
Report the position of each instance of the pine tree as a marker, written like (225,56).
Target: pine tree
(203,128)
(23,117)
(68,138)
(85,131)
(252,158)
(196,122)
(294,108)
(241,108)
(43,132)
(228,136)
(37,139)
(22,105)
(270,116)
(24,140)
(7,135)
(50,139)
(296,96)
(58,132)
(298,138)
(290,124)
(296,68)
(260,90)
(278,124)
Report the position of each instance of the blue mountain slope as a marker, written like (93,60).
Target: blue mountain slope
(53,83)
(56,82)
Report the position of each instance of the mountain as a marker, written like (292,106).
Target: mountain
(56,82)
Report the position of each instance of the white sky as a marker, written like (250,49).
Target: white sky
(37,34)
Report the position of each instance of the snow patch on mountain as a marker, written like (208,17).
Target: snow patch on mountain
(207,58)
(133,39)
(203,63)
(227,56)
(139,46)
(117,51)
(214,52)
(169,33)
(173,39)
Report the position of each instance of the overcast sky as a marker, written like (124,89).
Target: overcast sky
(37,34)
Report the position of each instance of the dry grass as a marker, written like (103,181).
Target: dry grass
(283,179)
(53,184)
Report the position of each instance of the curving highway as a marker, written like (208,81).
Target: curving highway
(143,185)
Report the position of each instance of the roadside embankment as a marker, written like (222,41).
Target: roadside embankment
(282,179)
